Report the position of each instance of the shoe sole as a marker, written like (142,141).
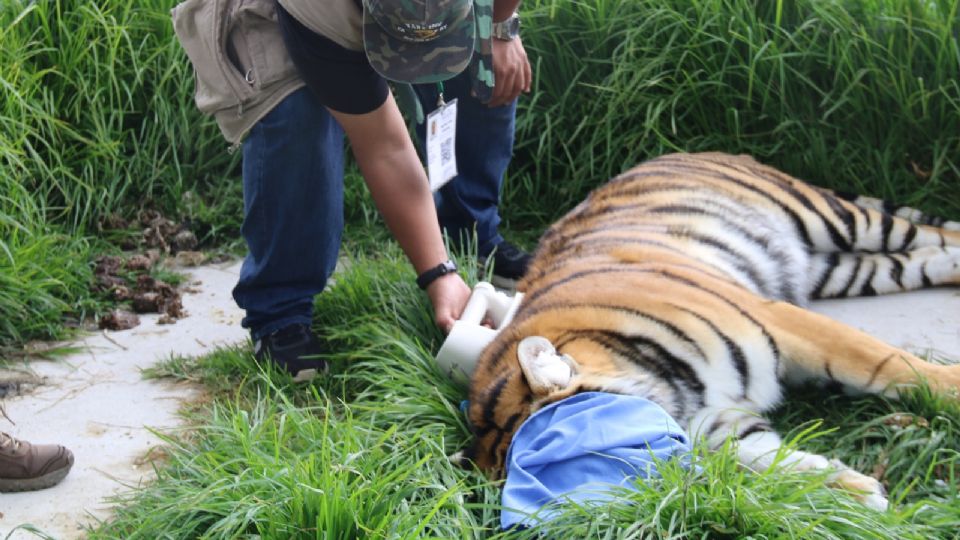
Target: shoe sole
(507,284)
(13,485)
(305,375)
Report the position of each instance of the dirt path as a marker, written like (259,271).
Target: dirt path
(97,404)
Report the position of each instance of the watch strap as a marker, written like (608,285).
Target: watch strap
(429,276)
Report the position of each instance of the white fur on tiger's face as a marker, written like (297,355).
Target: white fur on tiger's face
(683,280)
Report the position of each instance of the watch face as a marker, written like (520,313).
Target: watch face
(507,29)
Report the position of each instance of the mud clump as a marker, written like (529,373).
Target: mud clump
(164,234)
(128,282)
(155,296)
(128,279)
(118,319)
(150,230)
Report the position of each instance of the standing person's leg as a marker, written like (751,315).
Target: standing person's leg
(470,201)
(293,220)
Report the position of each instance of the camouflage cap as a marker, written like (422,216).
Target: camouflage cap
(418,41)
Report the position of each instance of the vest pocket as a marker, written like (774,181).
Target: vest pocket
(201,27)
(255,44)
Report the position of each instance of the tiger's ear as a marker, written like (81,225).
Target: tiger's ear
(545,370)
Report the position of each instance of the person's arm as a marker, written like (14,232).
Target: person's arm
(511,68)
(504,8)
(398,183)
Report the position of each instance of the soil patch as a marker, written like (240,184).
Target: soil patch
(131,280)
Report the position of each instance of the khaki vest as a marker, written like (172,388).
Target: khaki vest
(241,66)
(340,21)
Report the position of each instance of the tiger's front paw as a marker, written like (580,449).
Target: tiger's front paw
(459,459)
(865,489)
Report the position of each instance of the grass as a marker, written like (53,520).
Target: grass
(98,97)
(95,102)
(281,471)
(97,120)
(361,453)
(43,274)
(860,95)
(97,117)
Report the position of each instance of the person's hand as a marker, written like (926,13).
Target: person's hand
(449,295)
(511,71)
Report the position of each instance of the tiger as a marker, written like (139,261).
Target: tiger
(684,280)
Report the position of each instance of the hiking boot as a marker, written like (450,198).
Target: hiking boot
(27,467)
(509,265)
(293,348)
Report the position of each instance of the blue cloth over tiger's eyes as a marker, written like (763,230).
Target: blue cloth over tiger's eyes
(579,447)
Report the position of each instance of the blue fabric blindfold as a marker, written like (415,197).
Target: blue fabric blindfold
(580,447)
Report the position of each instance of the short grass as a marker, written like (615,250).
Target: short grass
(361,453)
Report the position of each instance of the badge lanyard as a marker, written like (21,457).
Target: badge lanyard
(441,130)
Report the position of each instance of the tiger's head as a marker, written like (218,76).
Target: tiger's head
(515,377)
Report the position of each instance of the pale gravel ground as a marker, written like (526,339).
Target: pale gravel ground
(97,404)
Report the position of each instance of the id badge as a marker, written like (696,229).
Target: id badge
(441,143)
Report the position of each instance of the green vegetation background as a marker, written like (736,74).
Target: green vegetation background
(97,118)
(97,121)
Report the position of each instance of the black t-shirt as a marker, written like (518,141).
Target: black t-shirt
(343,79)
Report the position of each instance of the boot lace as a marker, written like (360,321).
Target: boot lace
(8,443)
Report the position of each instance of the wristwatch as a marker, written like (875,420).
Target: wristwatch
(507,29)
(429,276)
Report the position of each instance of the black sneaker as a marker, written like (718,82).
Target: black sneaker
(509,265)
(293,348)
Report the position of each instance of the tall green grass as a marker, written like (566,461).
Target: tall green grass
(43,275)
(100,117)
(861,95)
(280,471)
(96,118)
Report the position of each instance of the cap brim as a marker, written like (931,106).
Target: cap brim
(419,62)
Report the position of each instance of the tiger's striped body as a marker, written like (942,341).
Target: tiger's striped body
(682,281)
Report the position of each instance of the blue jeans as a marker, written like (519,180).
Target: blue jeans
(293,212)
(293,199)
(484,148)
